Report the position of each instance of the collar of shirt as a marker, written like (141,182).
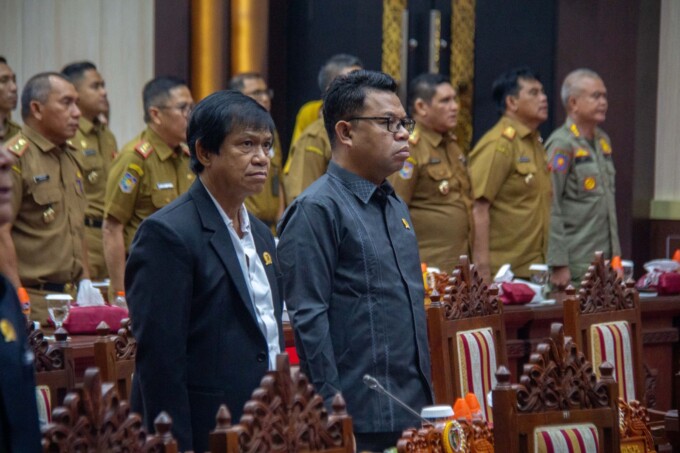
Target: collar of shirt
(86,126)
(360,187)
(160,147)
(522,129)
(433,138)
(40,141)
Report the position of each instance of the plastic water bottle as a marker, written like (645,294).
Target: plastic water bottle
(119,300)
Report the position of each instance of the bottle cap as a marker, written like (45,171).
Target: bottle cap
(439,412)
(120,293)
(676,256)
(616,263)
(22,294)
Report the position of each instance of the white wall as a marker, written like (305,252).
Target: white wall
(116,35)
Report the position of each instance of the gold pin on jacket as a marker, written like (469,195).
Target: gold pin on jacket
(267,258)
(7,330)
(405,223)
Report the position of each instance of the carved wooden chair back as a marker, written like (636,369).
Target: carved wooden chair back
(603,318)
(558,404)
(95,419)
(285,414)
(115,355)
(54,370)
(466,334)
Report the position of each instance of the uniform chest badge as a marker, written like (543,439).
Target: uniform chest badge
(444,187)
(405,223)
(127,183)
(589,183)
(49,215)
(89,152)
(267,258)
(406,171)
(7,330)
(93,177)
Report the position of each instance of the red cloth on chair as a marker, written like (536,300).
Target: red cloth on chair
(516,293)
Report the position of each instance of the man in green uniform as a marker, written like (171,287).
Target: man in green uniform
(8,101)
(43,248)
(434,181)
(95,148)
(311,151)
(583,217)
(268,205)
(149,172)
(510,179)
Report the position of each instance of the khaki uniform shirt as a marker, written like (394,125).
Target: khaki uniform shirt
(11,129)
(308,160)
(435,185)
(508,168)
(265,205)
(49,203)
(583,218)
(145,176)
(95,147)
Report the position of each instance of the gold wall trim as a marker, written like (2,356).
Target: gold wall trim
(391,37)
(249,35)
(463,64)
(207,37)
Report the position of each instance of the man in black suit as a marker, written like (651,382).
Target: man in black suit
(18,412)
(201,278)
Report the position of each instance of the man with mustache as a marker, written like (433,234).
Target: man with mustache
(510,179)
(43,246)
(434,181)
(8,101)
(583,217)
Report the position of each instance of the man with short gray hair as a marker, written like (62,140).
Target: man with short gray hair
(583,218)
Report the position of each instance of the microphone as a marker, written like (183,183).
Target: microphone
(373,384)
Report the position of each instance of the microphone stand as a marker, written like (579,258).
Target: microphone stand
(373,384)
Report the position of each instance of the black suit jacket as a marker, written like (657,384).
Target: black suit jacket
(198,341)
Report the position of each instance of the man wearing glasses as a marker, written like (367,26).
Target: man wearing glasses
(350,265)
(434,181)
(267,205)
(149,172)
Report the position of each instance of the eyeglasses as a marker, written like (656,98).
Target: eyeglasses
(184,109)
(391,123)
(261,93)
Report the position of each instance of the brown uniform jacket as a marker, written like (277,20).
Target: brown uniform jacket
(49,205)
(508,168)
(435,185)
(145,176)
(11,129)
(308,160)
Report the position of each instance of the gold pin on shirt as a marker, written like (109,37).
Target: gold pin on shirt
(528,178)
(48,215)
(93,176)
(444,187)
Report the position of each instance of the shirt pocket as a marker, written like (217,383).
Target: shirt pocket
(441,181)
(46,197)
(162,197)
(588,179)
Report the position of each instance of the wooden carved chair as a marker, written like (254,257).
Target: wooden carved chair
(285,414)
(463,436)
(466,336)
(115,356)
(54,369)
(558,405)
(94,419)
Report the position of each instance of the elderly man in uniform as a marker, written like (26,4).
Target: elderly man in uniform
(311,152)
(434,181)
(510,179)
(202,278)
(360,311)
(583,217)
(269,204)
(8,101)
(95,149)
(18,411)
(43,247)
(149,172)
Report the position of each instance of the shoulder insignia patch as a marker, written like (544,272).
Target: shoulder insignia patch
(414,138)
(185,148)
(606,149)
(509,133)
(574,130)
(406,171)
(127,183)
(17,145)
(144,149)
(560,162)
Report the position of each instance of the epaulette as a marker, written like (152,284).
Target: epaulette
(414,138)
(606,149)
(509,133)
(574,130)
(185,148)
(17,145)
(144,149)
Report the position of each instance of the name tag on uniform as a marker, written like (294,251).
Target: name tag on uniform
(524,159)
(89,152)
(434,161)
(164,185)
(41,178)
